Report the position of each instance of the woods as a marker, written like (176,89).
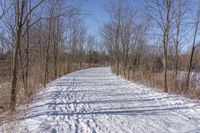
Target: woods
(155,43)
(40,41)
(155,47)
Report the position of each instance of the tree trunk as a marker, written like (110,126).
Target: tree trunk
(55,59)
(193,48)
(27,61)
(46,75)
(165,43)
(14,72)
(178,21)
(19,15)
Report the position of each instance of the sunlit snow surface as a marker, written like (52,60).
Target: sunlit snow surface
(96,101)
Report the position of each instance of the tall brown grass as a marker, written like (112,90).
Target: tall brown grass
(35,82)
(145,76)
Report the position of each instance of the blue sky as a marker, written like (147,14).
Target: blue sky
(97,15)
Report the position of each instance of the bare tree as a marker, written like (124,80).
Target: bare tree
(178,22)
(161,15)
(54,36)
(21,17)
(46,71)
(4,7)
(126,35)
(166,42)
(118,32)
(33,29)
(179,11)
(114,9)
(82,40)
(196,27)
(90,46)
(57,32)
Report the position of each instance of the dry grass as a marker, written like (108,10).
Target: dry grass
(156,80)
(35,82)
(4,96)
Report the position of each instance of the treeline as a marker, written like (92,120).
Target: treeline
(41,40)
(155,42)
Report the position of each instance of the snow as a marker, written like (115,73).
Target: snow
(96,101)
(194,78)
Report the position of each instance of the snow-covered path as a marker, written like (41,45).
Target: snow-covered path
(95,100)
